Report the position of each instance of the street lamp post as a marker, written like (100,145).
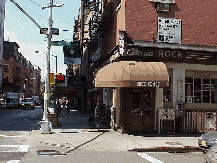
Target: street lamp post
(56,62)
(45,123)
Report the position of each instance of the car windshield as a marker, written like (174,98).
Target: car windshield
(11,100)
(28,100)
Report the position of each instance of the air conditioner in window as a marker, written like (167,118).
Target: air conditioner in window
(165,7)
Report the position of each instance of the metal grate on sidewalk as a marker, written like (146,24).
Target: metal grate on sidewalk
(11,156)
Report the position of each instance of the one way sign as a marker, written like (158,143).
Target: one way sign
(54,31)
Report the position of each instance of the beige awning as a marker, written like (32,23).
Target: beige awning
(133,74)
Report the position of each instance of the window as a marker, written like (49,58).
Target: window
(147,102)
(167,92)
(6,56)
(200,90)
(197,90)
(188,90)
(206,90)
(6,68)
(214,91)
(163,7)
(136,102)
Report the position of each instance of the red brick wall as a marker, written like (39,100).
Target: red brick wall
(199,24)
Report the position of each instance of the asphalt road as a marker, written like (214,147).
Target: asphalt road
(20,120)
(16,123)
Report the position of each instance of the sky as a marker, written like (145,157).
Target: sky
(20,29)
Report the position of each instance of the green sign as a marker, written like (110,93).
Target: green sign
(60,43)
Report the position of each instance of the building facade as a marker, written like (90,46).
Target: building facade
(154,61)
(19,75)
(2,18)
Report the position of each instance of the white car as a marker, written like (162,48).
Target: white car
(28,103)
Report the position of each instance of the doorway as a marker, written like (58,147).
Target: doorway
(143,110)
(140,110)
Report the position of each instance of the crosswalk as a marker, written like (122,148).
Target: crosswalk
(12,153)
(149,158)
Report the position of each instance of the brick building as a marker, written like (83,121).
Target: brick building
(154,61)
(19,74)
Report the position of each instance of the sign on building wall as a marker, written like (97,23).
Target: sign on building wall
(72,54)
(169,30)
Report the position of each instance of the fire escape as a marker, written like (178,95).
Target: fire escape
(99,23)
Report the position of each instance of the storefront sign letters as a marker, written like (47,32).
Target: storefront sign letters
(136,51)
(168,53)
(121,42)
(147,84)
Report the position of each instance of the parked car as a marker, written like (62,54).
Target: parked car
(28,103)
(211,155)
(2,104)
(207,140)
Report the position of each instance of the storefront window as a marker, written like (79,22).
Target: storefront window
(197,90)
(214,91)
(167,92)
(188,90)
(200,90)
(206,90)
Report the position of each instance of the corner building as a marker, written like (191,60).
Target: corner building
(158,66)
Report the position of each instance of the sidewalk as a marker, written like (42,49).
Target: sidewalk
(74,133)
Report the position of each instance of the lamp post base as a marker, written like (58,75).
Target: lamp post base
(45,129)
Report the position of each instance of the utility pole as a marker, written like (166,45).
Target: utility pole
(45,123)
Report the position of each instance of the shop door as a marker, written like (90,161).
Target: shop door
(142,117)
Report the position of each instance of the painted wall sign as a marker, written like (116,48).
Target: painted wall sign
(147,84)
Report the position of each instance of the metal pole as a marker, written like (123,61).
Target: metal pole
(45,123)
(56,63)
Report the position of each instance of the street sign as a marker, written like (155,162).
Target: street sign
(60,43)
(54,31)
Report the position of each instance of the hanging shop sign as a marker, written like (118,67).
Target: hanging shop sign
(121,42)
(115,55)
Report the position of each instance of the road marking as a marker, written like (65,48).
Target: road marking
(21,148)
(13,161)
(149,158)
(9,136)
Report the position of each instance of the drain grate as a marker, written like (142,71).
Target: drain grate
(11,156)
(49,152)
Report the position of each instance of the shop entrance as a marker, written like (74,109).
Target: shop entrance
(141,113)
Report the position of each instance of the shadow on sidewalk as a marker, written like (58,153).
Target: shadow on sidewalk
(74,120)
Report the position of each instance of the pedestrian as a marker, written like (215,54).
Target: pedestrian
(97,114)
(68,107)
(64,104)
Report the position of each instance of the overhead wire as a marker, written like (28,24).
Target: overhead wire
(36,3)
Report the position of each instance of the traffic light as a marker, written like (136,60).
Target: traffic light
(60,79)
